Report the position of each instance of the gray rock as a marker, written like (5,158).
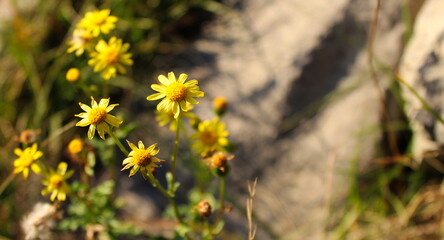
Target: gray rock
(303,106)
(422,67)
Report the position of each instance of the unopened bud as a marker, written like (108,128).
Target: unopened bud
(75,146)
(203,208)
(73,74)
(220,105)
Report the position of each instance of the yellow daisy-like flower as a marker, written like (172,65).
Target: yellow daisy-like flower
(109,58)
(81,41)
(209,137)
(55,182)
(97,117)
(176,94)
(164,118)
(98,22)
(27,158)
(141,159)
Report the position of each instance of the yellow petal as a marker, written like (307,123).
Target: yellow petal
(183,77)
(83,123)
(155,96)
(115,122)
(91,131)
(162,79)
(35,168)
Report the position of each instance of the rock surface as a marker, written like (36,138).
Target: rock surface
(422,67)
(303,106)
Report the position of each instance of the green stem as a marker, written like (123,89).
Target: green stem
(6,182)
(168,194)
(221,201)
(105,88)
(175,150)
(118,143)
(422,100)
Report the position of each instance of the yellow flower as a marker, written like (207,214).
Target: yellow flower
(109,58)
(165,118)
(97,117)
(81,41)
(209,137)
(97,22)
(141,159)
(55,182)
(27,159)
(176,94)
(73,74)
(75,146)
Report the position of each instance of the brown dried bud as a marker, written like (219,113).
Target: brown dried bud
(28,136)
(203,208)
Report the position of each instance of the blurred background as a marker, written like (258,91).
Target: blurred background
(320,108)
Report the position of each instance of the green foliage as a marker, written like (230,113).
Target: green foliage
(95,206)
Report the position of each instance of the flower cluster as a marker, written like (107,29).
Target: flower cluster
(107,57)
(54,181)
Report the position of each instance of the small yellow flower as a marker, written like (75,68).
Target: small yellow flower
(220,105)
(75,146)
(97,117)
(55,182)
(73,74)
(164,118)
(141,159)
(109,58)
(81,41)
(98,22)
(27,158)
(176,94)
(209,137)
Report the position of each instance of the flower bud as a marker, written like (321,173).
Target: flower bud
(220,105)
(203,208)
(73,74)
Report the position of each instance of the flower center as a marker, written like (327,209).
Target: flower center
(56,181)
(176,92)
(27,159)
(111,56)
(142,157)
(97,115)
(208,138)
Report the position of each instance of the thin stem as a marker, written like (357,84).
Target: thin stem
(424,103)
(175,150)
(6,182)
(393,146)
(105,88)
(118,143)
(168,194)
(221,201)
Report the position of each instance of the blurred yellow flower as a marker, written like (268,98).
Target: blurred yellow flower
(97,117)
(26,160)
(81,41)
(209,137)
(176,94)
(55,182)
(141,159)
(75,146)
(109,58)
(73,74)
(98,22)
